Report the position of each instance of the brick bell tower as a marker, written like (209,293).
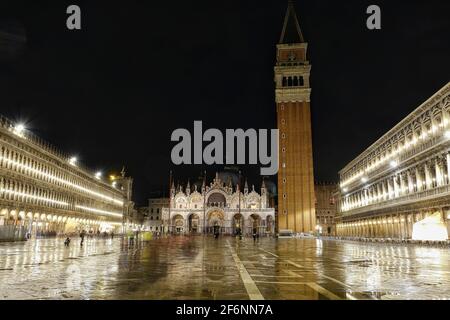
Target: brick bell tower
(296,200)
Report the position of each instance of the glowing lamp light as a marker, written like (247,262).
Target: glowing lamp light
(73,161)
(363,179)
(20,128)
(98,175)
(393,164)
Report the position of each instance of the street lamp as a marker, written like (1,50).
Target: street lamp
(19,129)
(73,161)
(98,175)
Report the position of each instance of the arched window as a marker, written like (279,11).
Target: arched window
(295,81)
(284,83)
(290,82)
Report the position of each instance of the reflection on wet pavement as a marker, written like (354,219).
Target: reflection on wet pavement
(204,268)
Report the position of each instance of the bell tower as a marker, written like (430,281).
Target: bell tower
(296,200)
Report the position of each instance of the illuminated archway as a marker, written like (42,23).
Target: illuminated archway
(432,228)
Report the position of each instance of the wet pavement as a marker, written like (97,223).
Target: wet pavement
(204,268)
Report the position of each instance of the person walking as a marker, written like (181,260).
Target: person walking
(82,235)
(67,242)
(255,234)
(239,233)
(216,232)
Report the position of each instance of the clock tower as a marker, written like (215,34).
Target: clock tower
(296,200)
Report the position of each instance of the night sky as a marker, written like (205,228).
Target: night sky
(113,92)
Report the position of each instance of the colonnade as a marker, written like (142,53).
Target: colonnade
(424,176)
(396,226)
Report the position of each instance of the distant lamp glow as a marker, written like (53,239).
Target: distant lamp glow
(114,184)
(73,161)
(393,164)
(363,179)
(19,129)
(112,177)
(431,228)
(345,189)
(98,175)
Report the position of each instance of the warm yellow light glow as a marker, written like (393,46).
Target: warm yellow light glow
(109,213)
(431,228)
(31,196)
(19,130)
(73,161)
(41,174)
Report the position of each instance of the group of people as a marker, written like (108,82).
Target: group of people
(83,234)
(255,234)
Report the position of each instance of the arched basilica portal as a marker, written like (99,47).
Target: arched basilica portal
(219,205)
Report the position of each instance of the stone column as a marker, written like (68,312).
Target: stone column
(389,188)
(410,182)
(439,174)
(447,157)
(379,193)
(403,189)
(383,187)
(396,186)
(428,181)
(419,182)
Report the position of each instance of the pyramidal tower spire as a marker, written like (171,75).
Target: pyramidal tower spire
(291,33)
(296,200)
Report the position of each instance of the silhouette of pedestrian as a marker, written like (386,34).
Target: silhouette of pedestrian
(82,234)
(216,232)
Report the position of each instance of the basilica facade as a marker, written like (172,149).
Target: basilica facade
(222,205)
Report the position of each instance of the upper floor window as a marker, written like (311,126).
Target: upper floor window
(292,81)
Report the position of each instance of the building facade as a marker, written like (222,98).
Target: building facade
(154,221)
(45,192)
(220,205)
(402,178)
(326,208)
(296,207)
